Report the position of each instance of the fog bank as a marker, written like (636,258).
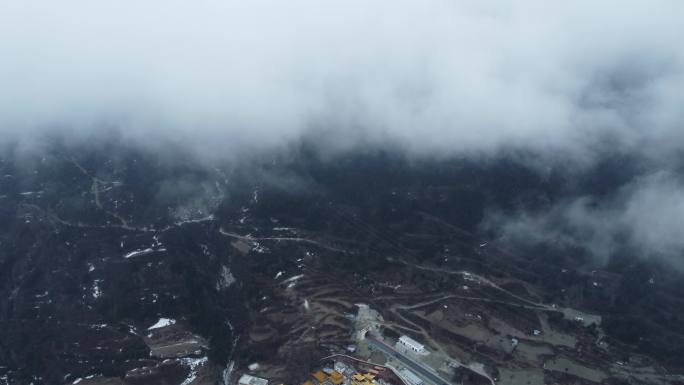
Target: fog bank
(432,77)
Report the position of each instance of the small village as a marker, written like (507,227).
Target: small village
(347,370)
(403,361)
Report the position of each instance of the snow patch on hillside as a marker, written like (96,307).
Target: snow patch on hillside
(163,322)
(96,291)
(193,364)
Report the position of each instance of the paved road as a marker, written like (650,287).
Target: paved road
(409,362)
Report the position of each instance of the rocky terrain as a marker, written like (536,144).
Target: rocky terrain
(122,267)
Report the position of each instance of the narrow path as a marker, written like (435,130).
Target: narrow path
(286,239)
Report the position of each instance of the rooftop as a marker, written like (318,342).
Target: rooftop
(320,376)
(246,379)
(410,377)
(406,340)
(336,378)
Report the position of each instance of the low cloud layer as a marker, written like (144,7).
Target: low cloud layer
(432,76)
(645,217)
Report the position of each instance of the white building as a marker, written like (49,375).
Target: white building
(408,344)
(410,377)
(246,379)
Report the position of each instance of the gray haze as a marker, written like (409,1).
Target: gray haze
(565,79)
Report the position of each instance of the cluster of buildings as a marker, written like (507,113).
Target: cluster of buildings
(345,371)
(344,374)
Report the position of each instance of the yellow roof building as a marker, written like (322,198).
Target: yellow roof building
(336,377)
(320,376)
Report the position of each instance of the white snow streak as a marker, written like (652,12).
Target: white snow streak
(138,253)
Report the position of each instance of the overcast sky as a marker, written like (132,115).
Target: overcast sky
(561,78)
